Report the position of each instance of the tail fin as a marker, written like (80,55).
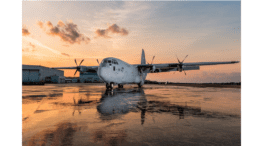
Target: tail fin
(143,61)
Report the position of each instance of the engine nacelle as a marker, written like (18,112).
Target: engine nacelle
(179,68)
(157,70)
(152,69)
(81,69)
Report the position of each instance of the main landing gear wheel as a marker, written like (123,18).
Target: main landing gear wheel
(109,86)
(140,85)
(120,86)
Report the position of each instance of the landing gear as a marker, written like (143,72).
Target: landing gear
(109,86)
(120,86)
(140,85)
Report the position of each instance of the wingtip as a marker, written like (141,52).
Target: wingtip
(235,61)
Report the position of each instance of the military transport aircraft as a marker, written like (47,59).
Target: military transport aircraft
(114,71)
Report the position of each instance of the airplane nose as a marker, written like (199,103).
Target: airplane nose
(101,73)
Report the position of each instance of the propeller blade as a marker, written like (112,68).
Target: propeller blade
(152,59)
(97,61)
(184,72)
(184,58)
(178,59)
(75,72)
(81,62)
(76,62)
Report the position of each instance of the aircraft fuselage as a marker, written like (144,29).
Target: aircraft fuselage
(113,70)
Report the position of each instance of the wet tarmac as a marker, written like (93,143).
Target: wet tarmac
(87,114)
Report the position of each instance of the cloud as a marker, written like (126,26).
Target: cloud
(28,47)
(35,42)
(60,23)
(68,32)
(25,32)
(65,54)
(40,23)
(49,24)
(32,45)
(111,29)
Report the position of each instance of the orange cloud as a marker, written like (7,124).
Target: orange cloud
(40,23)
(111,29)
(67,32)
(60,23)
(25,32)
(65,54)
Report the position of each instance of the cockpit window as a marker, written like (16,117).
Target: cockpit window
(109,61)
(114,62)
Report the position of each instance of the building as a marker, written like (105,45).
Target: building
(88,77)
(35,74)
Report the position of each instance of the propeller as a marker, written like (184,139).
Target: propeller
(184,58)
(97,61)
(78,66)
(181,63)
(151,62)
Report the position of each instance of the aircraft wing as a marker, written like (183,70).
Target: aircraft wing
(81,68)
(155,68)
(209,63)
(74,67)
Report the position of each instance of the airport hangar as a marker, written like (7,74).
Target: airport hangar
(35,74)
(86,77)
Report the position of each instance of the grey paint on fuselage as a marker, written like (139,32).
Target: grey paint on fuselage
(119,72)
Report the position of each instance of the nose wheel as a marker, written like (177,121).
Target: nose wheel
(109,86)
(140,85)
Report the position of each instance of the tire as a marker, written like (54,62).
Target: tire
(139,85)
(107,86)
(111,85)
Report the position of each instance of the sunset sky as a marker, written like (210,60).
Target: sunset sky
(56,33)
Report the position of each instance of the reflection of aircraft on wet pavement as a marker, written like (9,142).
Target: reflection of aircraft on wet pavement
(117,102)
(115,71)
(121,101)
